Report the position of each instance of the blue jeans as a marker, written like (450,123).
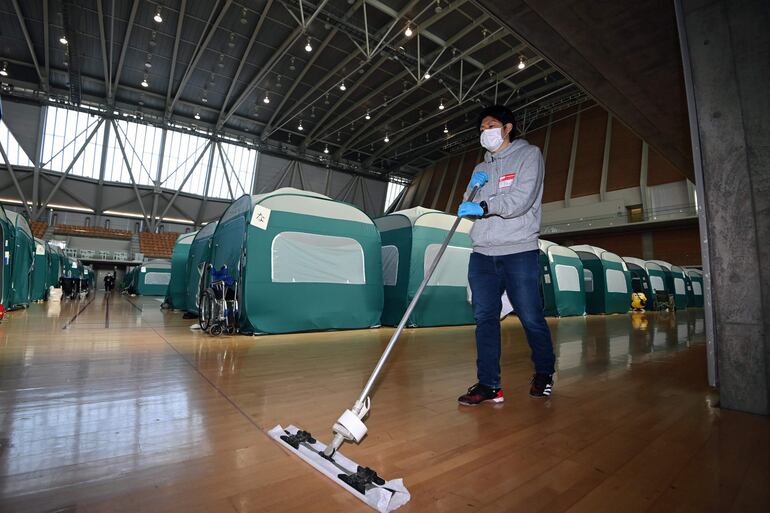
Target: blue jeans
(519,275)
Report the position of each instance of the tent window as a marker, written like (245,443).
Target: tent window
(152,278)
(567,278)
(616,281)
(696,289)
(679,287)
(452,270)
(588,278)
(310,258)
(390,265)
(657,283)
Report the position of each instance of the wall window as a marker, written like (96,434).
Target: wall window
(66,131)
(142,147)
(181,152)
(16,155)
(635,213)
(232,171)
(394,189)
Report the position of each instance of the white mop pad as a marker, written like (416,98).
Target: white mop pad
(384,498)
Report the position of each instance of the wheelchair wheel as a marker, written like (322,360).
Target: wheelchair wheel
(206,309)
(215,330)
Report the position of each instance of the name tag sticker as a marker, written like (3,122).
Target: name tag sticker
(507,180)
(260,217)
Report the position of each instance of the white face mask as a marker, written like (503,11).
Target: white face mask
(492,138)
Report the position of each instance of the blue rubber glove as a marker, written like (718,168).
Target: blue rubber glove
(469,208)
(478,178)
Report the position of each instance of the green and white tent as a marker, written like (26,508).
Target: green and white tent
(640,279)
(675,282)
(89,277)
(72,269)
(56,263)
(8,240)
(410,242)
(151,278)
(561,280)
(301,262)
(40,281)
(696,281)
(176,296)
(22,260)
(657,280)
(197,259)
(606,279)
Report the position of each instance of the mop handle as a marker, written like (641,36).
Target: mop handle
(410,308)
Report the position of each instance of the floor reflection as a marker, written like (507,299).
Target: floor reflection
(621,340)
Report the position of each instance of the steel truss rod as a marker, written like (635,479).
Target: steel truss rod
(199,50)
(15,180)
(122,57)
(302,103)
(381,111)
(30,46)
(186,178)
(69,168)
(432,98)
(179,23)
(308,65)
(246,54)
(389,83)
(130,173)
(268,66)
(103,44)
(411,135)
(565,84)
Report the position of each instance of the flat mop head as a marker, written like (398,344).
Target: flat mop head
(362,482)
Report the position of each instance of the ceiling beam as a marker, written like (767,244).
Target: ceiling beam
(103,41)
(179,23)
(430,35)
(199,50)
(329,75)
(123,50)
(308,65)
(420,82)
(30,46)
(411,135)
(268,66)
(412,106)
(561,86)
(46,52)
(245,57)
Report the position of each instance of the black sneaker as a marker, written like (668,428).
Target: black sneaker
(541,385)
(479,393)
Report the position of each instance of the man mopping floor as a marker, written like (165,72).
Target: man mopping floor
(507,211)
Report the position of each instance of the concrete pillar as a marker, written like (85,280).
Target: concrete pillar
(648,248)
(726,56)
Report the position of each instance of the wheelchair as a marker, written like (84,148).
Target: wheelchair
(218,304)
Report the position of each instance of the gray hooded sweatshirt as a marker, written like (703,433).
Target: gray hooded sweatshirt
(513,195)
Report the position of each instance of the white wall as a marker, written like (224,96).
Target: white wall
(663,202)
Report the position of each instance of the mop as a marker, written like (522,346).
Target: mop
(362,482)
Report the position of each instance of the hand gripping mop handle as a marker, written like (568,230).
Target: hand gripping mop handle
(349,425)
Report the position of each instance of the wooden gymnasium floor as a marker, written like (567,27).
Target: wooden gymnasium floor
(111,405)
